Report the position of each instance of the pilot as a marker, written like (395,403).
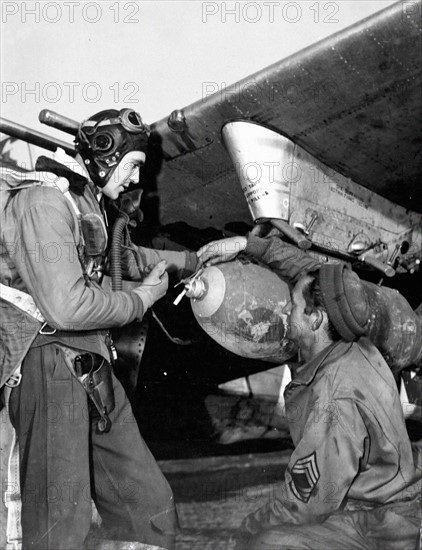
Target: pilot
(78,439)
(351,481)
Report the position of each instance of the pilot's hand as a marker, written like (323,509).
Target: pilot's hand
(147,270)
(221,251)
(154,286)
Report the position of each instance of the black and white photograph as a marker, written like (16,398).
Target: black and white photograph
(211,283)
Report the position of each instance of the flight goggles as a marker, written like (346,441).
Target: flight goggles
(103,142)
(128,118)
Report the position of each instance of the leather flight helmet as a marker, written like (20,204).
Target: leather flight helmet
(106,137)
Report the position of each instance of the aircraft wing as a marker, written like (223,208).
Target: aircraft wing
(352,100)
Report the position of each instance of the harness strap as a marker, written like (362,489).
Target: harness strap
(12,499)
(12,495)
(21,300)
(63,185)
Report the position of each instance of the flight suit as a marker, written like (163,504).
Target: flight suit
(64,461)
(351,481)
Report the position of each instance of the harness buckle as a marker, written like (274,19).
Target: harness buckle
(42,331)
(14,380)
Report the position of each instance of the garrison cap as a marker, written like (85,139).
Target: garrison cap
(345,300)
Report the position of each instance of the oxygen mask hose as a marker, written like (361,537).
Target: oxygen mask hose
(128,207)
(116,250)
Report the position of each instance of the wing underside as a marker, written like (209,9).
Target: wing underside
(352,100)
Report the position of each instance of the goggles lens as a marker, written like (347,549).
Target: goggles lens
(132,121)
(102,142)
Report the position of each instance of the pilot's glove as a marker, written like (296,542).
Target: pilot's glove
(154,286)
(221,251)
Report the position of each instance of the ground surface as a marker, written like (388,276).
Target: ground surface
(214,494)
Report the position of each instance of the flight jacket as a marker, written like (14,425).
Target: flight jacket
(39,246)
(352,450)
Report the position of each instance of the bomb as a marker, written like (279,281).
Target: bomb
(244,307)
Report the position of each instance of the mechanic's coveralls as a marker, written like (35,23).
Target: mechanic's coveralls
(64,462)
(351,481)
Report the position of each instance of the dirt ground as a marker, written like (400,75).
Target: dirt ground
(214,494)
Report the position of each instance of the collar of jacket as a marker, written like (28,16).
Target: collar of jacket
(304,374)
(76,181)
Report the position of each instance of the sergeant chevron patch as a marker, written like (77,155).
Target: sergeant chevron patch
(305,476)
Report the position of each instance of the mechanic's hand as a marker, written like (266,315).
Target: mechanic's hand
(154,286)
(221,251)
